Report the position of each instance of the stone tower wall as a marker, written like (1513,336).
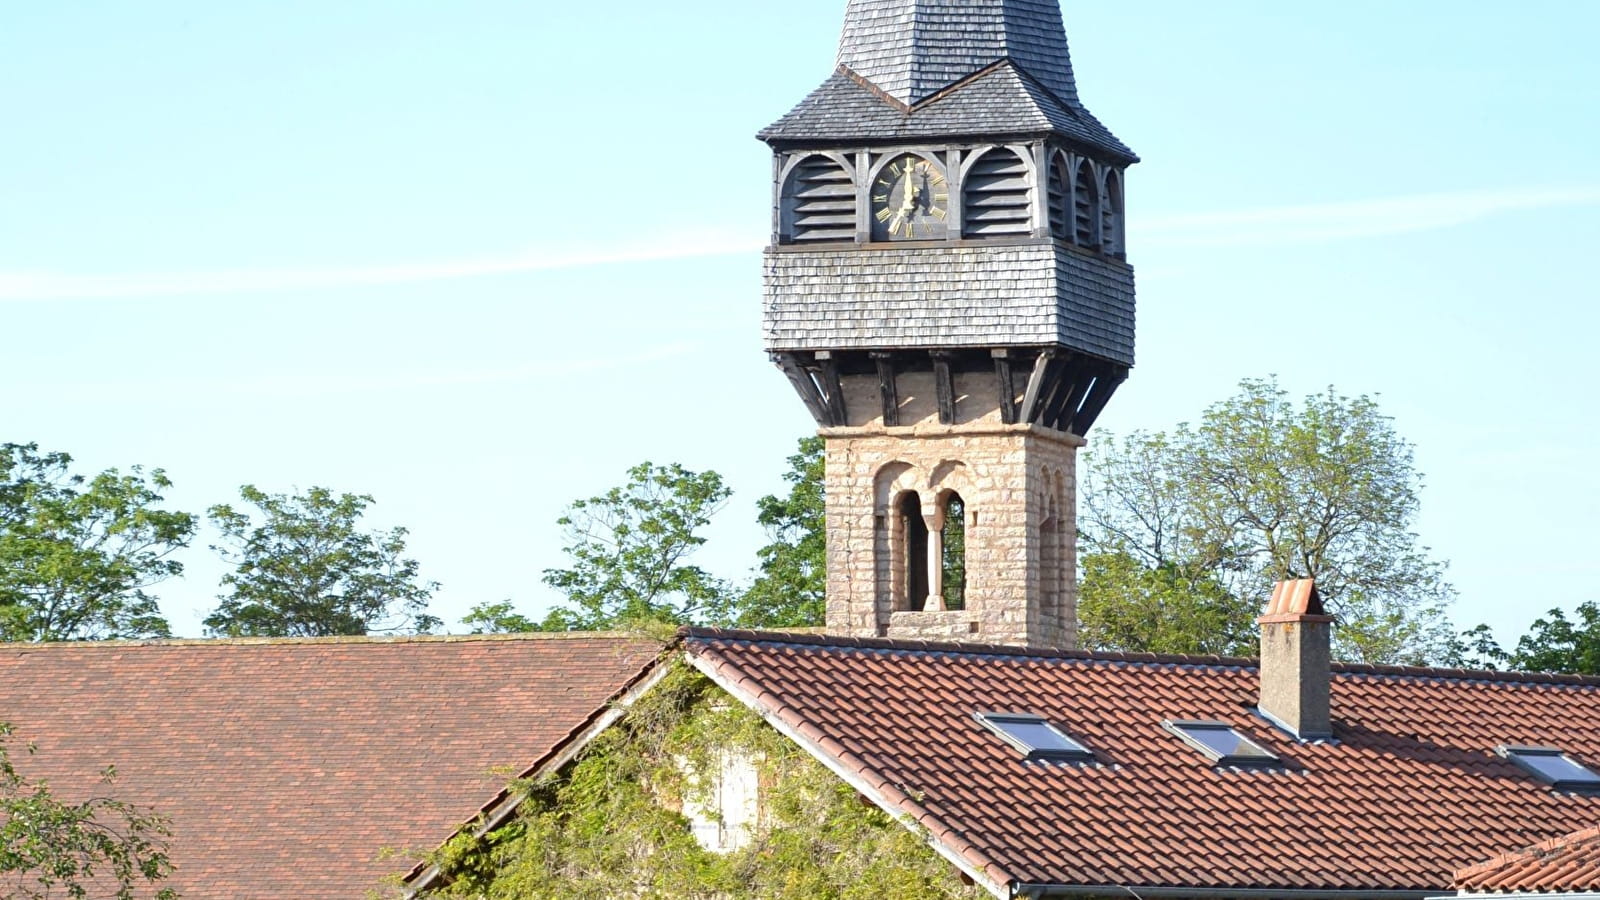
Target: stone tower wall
(1018,485)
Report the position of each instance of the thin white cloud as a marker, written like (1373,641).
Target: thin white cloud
(321,385)
(300,384)
(1316,223)
(1313,223)
(19,286)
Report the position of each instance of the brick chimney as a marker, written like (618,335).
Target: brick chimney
(1296,669)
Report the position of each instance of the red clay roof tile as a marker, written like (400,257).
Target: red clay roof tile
(1569,863)
(287,767)
(1409,790)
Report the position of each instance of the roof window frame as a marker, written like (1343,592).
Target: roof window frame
(1261,759)
(1516,754)
(1075,752)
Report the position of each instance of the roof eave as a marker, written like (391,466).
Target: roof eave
(1169,892)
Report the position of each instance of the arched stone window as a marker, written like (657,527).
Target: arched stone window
(1060,197)
(997,196)
(1086,207)
(913,556)
(819,203)
(1050,548)
(1111,215)
(953,552)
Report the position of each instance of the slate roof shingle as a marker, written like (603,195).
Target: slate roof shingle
(913,48)
(287,767)
(940,68)
(1409,791)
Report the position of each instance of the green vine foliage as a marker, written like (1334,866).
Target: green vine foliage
(607,826)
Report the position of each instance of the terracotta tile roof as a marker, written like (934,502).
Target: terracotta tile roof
(1409,791)
(1569,863)
(287,767)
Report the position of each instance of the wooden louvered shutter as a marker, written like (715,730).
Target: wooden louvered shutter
(1111,214)
(996,197)
(822,202)
(1060,199)
(1086,208)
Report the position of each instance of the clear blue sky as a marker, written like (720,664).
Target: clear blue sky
(382,247)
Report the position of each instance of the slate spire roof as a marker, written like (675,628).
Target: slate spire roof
(912,69)
(912,49)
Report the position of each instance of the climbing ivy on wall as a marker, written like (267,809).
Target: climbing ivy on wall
(607,825)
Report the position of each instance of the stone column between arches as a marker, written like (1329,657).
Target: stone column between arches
(1012,479)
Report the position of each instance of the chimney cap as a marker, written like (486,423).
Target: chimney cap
(1294,600)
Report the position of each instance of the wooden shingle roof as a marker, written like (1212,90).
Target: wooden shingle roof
(928,69)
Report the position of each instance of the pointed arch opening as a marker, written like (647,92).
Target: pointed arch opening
(1086,207)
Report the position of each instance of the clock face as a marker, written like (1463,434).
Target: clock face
(910,200)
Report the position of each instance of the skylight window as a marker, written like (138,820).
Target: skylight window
(1221,743)
(1034,737)
(1553,767)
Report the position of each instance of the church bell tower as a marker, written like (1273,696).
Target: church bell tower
(948,292)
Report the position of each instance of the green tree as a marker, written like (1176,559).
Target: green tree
(50,847)
(1554,643)
(497,618)
(1127,605)
(789,590)
(76,553)
(629,549)
(308,570)
(1261,490)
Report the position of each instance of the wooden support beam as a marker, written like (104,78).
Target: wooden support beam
(1036,386)
(944,388)
(1059,385)
(1007,386)
(804,385)
(1080,377)
(887,388)
(1104,387)
(832,389)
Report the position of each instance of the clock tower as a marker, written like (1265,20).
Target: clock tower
(948,292)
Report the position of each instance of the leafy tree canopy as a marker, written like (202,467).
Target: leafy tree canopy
(50,847)
(629,550)
(307,569)
(76,553)
(497,618)
(789,590)
(1207,517)
(1554,643)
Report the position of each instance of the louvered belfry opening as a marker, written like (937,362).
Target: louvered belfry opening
(1060,194)
(822,203)
(1111,215)
(996,200)
(1086,207)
